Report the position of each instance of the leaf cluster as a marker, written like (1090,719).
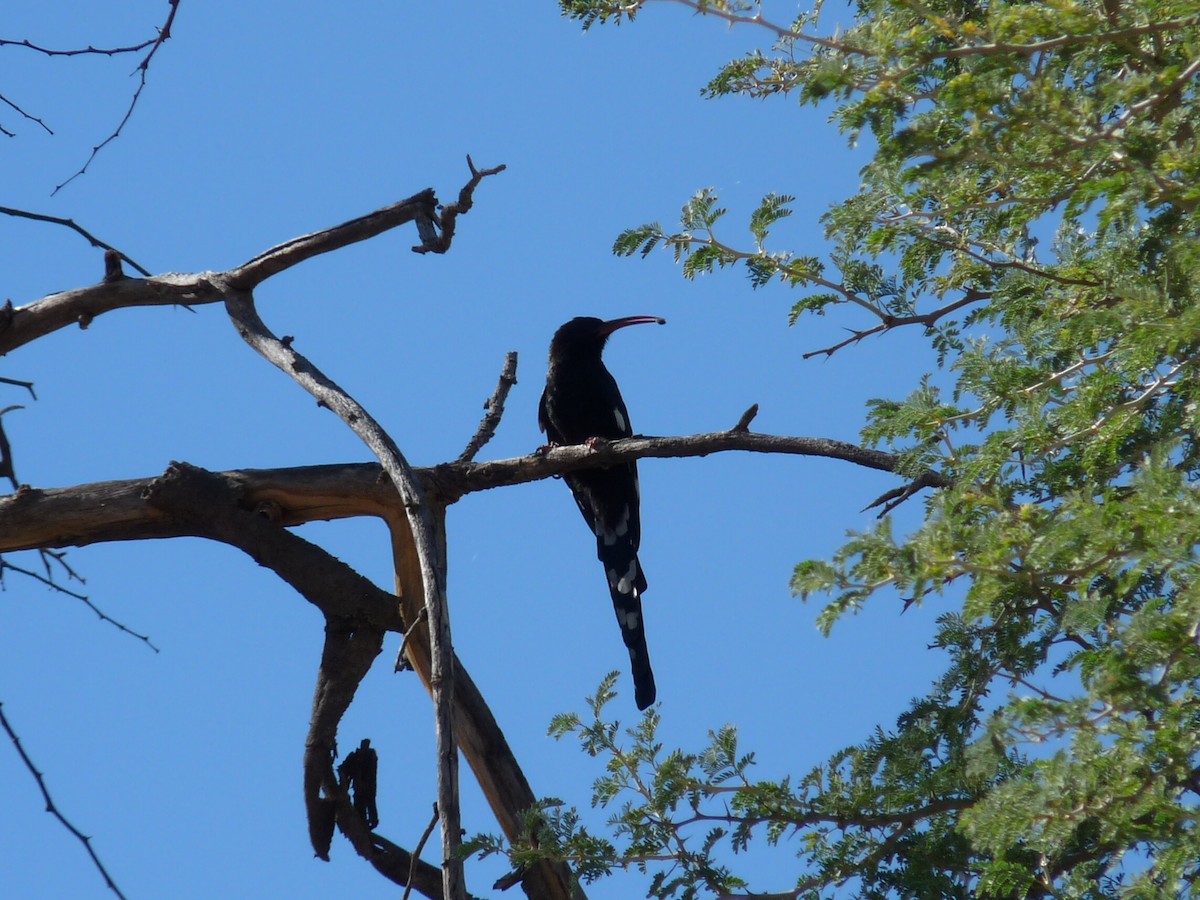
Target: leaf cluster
(1032,207)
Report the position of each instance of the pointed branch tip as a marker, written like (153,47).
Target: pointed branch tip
(743,424)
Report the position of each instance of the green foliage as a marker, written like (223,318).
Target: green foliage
(1032,206)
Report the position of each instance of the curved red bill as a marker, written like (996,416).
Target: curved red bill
(613,324)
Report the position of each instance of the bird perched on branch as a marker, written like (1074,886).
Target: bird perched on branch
(581,403)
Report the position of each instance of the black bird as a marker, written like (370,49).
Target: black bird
(581,402)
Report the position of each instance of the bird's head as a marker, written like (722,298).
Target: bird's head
(586,335)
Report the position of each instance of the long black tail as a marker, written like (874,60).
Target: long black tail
(627,604)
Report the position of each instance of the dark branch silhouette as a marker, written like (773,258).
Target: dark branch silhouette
(164,34)
(25,115)
(48,580)
(71,223)
(53,809)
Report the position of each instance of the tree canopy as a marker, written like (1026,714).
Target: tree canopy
(1030,205)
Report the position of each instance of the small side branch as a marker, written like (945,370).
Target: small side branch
(743,424)
(437,230)
(53,809)
(889,322)
(74,226)
(25,115)
(48,580)
(5,311)
(893,498)
(164,34)
(416,857)
(494,409)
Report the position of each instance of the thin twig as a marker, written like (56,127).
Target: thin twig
(26,115)
(401,662)
(70,223)
(28,385)
(53,809)
(495,409)
(54,585)
(164,34)
(890,322)
(89,49)
(416,854)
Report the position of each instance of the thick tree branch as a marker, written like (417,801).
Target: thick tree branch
(189,501)
(257,270)
(260,501)
(117,511)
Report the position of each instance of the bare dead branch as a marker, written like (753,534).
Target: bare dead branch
(70,223)
(81,305)
(118,510)
(494,407)
(271,262)
(452,481)
(164,34)
(431,240)
(189,501)
(240,306)
(52,808)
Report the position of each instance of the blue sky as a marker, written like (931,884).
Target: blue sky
(265,121)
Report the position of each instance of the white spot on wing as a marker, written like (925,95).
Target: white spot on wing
(621,426)
(630,621)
